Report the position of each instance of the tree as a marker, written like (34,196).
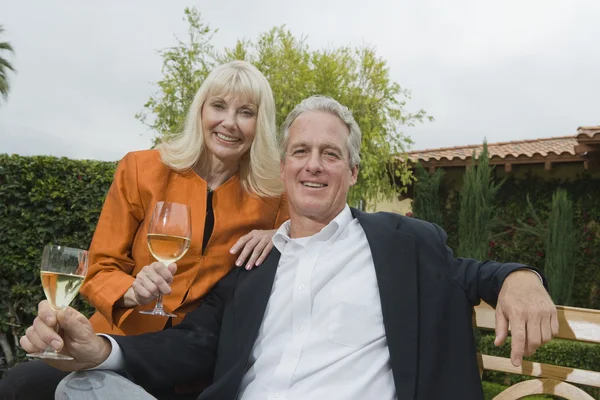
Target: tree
(354,76)
(427,203)
(560,245)
(5,66)
(185,66)
(477,211)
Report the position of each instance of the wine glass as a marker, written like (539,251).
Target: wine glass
(62,273)
(169,237)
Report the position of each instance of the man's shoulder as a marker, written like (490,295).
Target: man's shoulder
(396,221)
(423,232)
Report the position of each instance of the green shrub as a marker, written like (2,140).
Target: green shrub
(427,202)
(43,200)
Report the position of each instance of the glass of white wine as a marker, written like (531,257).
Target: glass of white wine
(62,273)
(169,237)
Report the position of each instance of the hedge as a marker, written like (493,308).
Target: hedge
(43,200)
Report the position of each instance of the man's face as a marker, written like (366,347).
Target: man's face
(316,170)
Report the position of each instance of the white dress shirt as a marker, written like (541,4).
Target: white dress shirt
(322,335)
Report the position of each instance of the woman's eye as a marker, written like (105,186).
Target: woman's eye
(248,113)
(218,106)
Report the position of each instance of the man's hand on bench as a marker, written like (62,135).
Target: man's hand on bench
(525,304)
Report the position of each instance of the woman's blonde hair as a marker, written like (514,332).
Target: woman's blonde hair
(259,167)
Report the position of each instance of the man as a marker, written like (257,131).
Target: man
(350,305)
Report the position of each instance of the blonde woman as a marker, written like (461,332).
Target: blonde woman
(225,166)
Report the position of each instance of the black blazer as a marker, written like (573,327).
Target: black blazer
(427,297)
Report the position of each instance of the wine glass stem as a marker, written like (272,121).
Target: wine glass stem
(159,304)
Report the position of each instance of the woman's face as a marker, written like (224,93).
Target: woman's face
(229,126)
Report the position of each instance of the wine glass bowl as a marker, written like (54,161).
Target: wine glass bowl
(62,272)
(169,235)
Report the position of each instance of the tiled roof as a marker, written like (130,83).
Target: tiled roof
(536,150)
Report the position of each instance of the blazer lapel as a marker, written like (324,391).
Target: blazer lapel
(251,296)
(396,269)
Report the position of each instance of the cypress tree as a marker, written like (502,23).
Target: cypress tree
(477,211)
(560,248)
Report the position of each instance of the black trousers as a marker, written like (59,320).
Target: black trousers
(36,380)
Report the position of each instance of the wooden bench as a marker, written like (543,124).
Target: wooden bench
(577,324)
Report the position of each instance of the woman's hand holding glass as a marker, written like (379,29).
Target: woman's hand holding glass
(169,236)
(153,280)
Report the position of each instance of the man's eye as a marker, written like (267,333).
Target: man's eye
(299,151)
(331,154)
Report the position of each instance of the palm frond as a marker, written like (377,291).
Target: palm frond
(6,46)
(5,64)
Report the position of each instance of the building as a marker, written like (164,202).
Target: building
(565,157)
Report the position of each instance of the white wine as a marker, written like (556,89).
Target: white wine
(167,248)
(60,289)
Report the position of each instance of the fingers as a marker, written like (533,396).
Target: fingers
(519,336)
(172,268)
(549,320)
(546,331)
(254,247)
(554,322)
(265,252)
(241,243)
(27,345)
(153,280)
(39,336)
(501,327)
(247,251)
(259,253)
(75,325)
(141,294)
(47,313)
(534,336)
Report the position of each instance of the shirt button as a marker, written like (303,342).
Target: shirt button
(301,287)
(301,328)
(276,395)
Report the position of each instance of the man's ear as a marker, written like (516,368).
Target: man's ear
(354,176)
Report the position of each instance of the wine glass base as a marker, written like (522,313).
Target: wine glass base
(50,356)
(159,312)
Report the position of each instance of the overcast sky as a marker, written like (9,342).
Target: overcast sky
(505,70)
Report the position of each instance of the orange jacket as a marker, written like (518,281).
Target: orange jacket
(119,249)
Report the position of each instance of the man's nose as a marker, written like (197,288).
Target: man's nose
(314,163)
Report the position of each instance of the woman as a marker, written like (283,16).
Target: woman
(224,165)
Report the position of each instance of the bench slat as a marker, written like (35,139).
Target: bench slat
(574,323)
(539,370)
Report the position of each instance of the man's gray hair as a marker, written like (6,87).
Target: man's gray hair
(329,105)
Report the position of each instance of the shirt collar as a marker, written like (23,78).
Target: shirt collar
(329,232)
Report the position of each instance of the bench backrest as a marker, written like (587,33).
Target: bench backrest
(577,324)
